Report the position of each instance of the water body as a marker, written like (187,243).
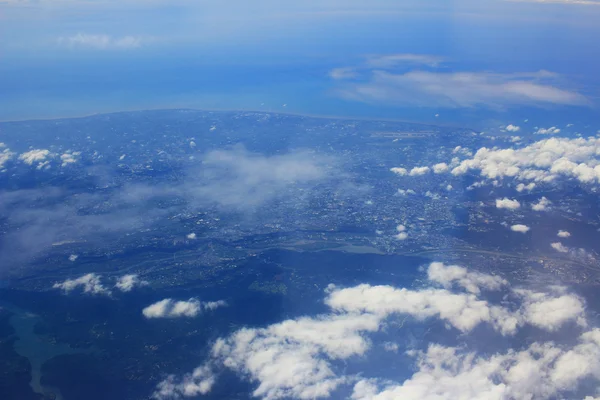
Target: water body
(37,348)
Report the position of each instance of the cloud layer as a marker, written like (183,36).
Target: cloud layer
(296,358)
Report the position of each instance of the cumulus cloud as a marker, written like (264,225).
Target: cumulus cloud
(520,228)
(542,161)
(399,171)
(512,128)
(529,187)
(418,171)
(563,234)
(101,42)
(199,382)
(540,371)
(297,358)
(471,281)
(34,156)
(542,205)
(558,246)
(69,157)
(549,131)
(460,89)
(169,308)
(126,283)
(440,168)
(5,155)
(507,203)
(90,283)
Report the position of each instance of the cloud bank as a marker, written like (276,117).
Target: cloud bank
(297,358)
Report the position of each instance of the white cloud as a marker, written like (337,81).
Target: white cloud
(169,308)
(126,283)
(417,171)
(512,128)
(440,168)
(472,282)
(90,283)
(550,312)
(399,171)
(549,131)
(5,156)
(199,382)
(540,371)
(239,179)
(401,236)
(563,234)
(404,192)
(69,158)
(529,187)
(507,203)
(542,205)
(560,247)
(297,358)
(101,42)
(519,228)
(542,161)
(33,156)
(460,89)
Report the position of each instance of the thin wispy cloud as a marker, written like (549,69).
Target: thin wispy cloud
(100,42)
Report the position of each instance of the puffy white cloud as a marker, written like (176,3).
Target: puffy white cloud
(126,283)
(90,283)
(169,308)
(507,203)
(69,158)
(401,236)
(417,171)
(199,382)
(540,371)
(5,156)
(550,131)
(529,187)
(563,234)
(471,281)
(404,192)
(560,247)
(36,155)
(101,42)
(542,161)
(440,168)
(550,312)
(542,205)
(512,128)
(519,228)
(296,358)
(399,171)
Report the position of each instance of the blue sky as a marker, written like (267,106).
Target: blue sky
(494,60)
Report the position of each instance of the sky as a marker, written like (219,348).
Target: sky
(464,61)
